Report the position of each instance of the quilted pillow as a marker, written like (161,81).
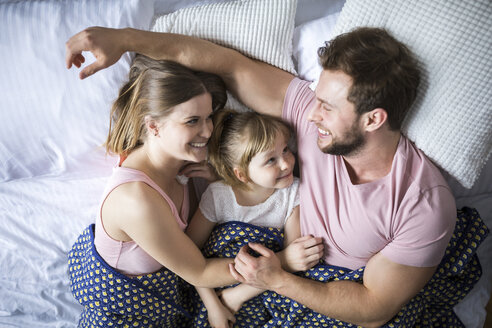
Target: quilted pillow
(451,120)
(259,29)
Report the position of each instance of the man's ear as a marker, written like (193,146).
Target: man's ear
(374,119)
(151,126)
(240,175)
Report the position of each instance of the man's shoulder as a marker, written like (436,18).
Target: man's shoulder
(298,97)
(419,169)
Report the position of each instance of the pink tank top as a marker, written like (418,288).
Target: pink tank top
(126,256)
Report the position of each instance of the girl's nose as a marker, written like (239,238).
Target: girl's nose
(284,165)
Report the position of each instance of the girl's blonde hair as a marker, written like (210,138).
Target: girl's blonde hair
(237,137)
(153,89)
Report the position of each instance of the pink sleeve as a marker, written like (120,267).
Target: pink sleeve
(422,233)
(297,103)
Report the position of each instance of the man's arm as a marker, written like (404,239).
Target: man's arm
(258,85)
(386,288)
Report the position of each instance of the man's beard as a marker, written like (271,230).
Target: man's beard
(351,143)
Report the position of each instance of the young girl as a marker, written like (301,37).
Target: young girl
(250,153)
(127,270)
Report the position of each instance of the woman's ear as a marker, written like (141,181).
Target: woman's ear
(151,126)
(374,119)
(240,175)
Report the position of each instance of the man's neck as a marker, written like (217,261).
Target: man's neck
(375,160)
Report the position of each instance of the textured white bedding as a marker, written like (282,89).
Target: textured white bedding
(52,170)
(40,218)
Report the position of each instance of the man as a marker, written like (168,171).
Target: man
(374,198)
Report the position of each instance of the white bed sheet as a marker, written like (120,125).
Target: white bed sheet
(42,215)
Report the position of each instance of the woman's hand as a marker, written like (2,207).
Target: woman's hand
(200,170)
(302,254)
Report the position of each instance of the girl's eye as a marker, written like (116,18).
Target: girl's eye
(271,160)
(192,121)
(286,150)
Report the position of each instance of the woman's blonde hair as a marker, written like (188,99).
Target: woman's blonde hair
(237,137)
(153,89)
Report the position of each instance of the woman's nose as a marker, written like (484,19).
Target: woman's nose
(207,129)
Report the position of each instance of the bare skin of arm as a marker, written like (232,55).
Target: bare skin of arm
(258,85)
(387,286)
(303,254)
(135,211)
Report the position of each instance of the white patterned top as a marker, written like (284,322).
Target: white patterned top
(218,204)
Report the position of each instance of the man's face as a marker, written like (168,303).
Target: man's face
(339,129)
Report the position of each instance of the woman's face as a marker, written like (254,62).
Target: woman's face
(185,132)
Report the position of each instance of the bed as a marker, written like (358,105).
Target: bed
(53,168)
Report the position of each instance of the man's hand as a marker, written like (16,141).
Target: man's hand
(260,272)
(302,254)
(105,44)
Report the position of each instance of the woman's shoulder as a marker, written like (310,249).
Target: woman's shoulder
(136,199)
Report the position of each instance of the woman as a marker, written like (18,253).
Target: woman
(124,269)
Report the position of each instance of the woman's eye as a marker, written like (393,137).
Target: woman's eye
(193,121)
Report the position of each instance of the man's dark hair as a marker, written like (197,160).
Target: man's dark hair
(383,70)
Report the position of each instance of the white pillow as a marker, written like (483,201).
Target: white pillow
(451,120)
(308,38)
(49,119)
(259,29)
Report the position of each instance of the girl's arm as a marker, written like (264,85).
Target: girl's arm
(234,298)
(135,211)
(199,231)
(300,253)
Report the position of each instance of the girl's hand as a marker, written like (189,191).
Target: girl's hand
(201,170)
(302,254)
(220,317)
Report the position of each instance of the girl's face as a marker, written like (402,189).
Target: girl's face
(273,168)
(185,132)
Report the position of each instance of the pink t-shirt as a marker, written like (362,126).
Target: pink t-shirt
(408,215)
(127,257)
